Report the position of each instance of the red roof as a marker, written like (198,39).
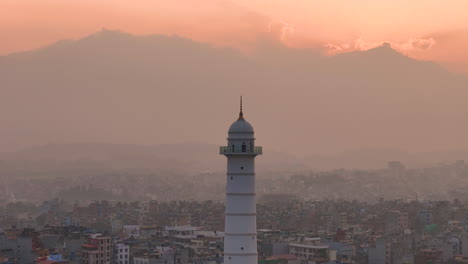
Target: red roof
(286,257)
(89,246)
(46,261)
(41,259)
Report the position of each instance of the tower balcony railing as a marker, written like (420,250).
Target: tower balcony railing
(238,151)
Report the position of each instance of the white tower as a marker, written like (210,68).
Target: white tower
(240,237)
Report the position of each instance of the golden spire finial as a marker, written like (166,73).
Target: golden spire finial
(241,115)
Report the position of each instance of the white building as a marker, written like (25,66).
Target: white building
(131,231)
(311,250)
(122,254)
(182,232)
(240,237)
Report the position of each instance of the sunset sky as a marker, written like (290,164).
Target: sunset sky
(423,29)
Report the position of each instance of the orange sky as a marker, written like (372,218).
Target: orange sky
(424,29)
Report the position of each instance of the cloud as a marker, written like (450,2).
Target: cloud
(412,44)
(280,29)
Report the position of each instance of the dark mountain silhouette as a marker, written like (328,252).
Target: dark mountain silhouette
(113,87)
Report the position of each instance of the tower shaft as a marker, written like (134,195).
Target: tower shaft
(240,238)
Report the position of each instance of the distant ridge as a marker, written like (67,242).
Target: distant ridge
(149,90)
(189,157)
(195,157)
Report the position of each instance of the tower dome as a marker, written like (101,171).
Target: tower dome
(241,126)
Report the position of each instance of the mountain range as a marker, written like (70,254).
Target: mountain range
(116,88)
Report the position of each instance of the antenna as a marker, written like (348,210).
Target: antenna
(241,115)
(241,103)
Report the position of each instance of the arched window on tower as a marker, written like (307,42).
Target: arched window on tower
(233,148)
(251,146)
(244,147)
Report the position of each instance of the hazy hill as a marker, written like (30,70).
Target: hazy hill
(187,158)
(113,87)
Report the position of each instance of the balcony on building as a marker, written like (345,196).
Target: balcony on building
(239,150)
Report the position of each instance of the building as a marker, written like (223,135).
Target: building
(122,253)
(53,258)
(396,222)
(425,217)
(284,259)
(429,256)
(379,253)
(161,255)
(461,259)
(181,234)
(17,247)
(131,231)
(97,250)
(153,258)
(451,247)
(312,250)
(240,238)
(345,251)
